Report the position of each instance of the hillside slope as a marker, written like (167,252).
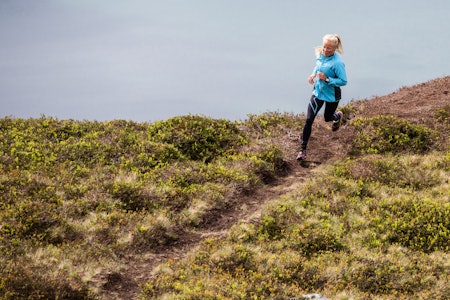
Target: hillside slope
(183,208)
(418,104)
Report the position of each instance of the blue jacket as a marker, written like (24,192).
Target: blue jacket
(334,68)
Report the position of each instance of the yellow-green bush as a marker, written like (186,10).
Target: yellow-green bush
(394,171)
(24,280)
(421,224)
(388,134)
(197,137)
(273,124)
(443,115)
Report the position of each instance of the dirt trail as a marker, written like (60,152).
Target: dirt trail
(417,104)
(138,270)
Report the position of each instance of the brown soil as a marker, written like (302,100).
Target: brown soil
(418,104)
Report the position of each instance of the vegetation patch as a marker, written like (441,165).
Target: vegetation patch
(443,115)
(95,191)
(82,199)
(418,223)
(349,231)
(273,124)
(388,134)
(395,171)
(197,137)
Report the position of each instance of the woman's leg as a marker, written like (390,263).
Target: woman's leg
(332,115)
(313,108)
(330,111)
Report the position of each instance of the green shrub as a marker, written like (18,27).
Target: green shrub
(388,134)
(274,124)
(419,224)
(443,115)
(32,212)
(150,155)
(349,111)
(60,130)
(409,171)
(196,137)
(309,235)
(82,152)
(399,272)
(273,155)
(268,163)
(25,280)
(133,196)
(315,237)
(153,231)
(275,221)
(233,258)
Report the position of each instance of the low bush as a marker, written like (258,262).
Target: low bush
(443,115)
(393,171)
(399,273)
(197,137)
(152,232)
(418,223)
(22,278)
(273,124)
(388,134)
(30,210)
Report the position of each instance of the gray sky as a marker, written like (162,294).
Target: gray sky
(147,60)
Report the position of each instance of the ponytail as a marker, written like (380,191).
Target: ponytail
(339,48)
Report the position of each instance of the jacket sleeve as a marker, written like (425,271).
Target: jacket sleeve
(341,75)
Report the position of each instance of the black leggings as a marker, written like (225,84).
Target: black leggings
(313,109)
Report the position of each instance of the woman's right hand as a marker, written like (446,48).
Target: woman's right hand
(311,78)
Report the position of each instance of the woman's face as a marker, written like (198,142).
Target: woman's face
(328,48)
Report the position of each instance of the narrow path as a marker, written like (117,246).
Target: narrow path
(125,285)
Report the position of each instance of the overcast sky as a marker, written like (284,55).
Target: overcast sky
(147,60)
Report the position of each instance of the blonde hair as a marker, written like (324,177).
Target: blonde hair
(335,39)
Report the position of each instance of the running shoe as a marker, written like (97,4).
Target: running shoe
(301,155)
(337,123)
